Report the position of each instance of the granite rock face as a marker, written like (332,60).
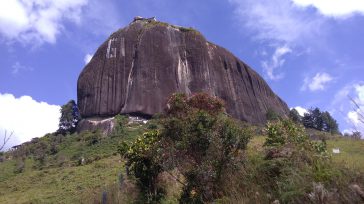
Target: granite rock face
(138,67)
(105,125)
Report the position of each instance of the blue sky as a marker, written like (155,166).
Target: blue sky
(309,51)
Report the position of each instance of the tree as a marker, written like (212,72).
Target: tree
(329,123)
(321,121)
(70,116)
(356,135)
(307,120)
(316,116)
(6,139)
(295,116)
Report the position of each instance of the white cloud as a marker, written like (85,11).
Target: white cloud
(318,83)
(38,21)
(301,110)
(88,58)
(281,24)
(277,20)
(26,117)
(275,62)
(356,116)
(17,67)
(360,94)
(335,8)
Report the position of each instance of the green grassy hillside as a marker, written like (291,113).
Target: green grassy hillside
(84,166)
(76,172)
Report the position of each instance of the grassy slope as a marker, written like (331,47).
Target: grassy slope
(351,151)
(74,184)
(69,182)
(59,185)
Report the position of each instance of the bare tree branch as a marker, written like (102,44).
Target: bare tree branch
(358,110)
(6,139)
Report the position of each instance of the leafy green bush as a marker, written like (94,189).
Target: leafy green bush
(20,166)
(142,163)
(198,140)
(272,115)
(283,132)
(91,138)
(294,167)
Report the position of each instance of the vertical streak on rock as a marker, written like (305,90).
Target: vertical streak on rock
(119,82)
(130,79)
(108,49)
(122,47)
(183,75)
(230,82)
(98,104)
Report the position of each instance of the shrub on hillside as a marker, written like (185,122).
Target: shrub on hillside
(91,138)
(198,140)
(272,115)
(297,170)
(295,116)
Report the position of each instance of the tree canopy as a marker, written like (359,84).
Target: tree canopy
(70,116)
(321,121)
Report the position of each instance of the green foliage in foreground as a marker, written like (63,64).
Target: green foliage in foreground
(198,140)
(287,166)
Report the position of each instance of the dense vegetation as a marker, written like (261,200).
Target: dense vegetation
(198,141)
(193,153)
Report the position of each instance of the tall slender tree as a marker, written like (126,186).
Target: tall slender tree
(70,116)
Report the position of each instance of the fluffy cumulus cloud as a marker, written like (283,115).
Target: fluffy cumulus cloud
(334,8)
(318,82)
(37,20)
(87,58)
(275,62)
(26,118)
